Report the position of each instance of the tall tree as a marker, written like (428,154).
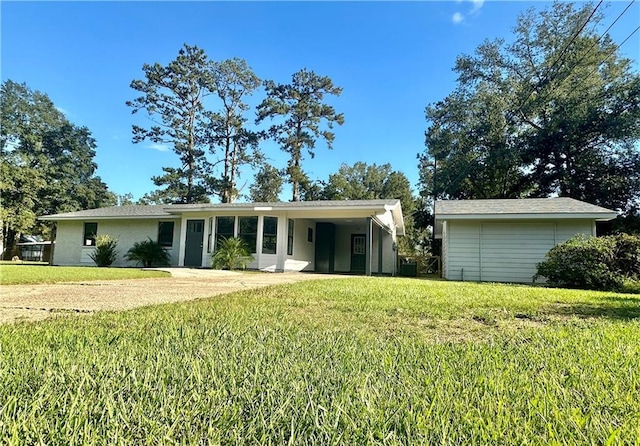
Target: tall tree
(226,132)
(368,182)
(554,112)
(267,185)
(173,97)
(46,163)
(301,111)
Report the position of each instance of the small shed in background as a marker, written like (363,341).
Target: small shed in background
(503,240)
(33,248)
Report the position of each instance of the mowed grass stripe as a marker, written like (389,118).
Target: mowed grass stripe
(354,361)
(33,274)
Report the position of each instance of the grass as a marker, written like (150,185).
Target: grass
(353,361)
(32,274)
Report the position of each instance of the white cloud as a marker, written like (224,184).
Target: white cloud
(158,147)
(458,17)
(477,4)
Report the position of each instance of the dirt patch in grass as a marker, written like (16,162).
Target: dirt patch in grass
(37,302)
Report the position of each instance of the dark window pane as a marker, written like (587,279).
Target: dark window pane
(269,235)
(90,232)
(165,233)
(224,228)
(290,238)
(248,231)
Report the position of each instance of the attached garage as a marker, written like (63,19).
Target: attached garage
(504,240)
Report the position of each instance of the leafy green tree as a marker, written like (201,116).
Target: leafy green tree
(226,132)
(267,185)
(554,112)
(173,97)
(158,197)
(46,163)
(300,110)
(367,182)
(312,190)
(124,199)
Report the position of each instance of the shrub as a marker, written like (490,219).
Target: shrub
(599,263)
(628,255)
(149,253)
(232,253)
(106,250)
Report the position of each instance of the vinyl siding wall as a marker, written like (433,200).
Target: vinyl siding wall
(505,251)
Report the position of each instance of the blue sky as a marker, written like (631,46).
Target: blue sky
(391,58)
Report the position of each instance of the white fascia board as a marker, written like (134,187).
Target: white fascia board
(557,216)
(175,209)
(111,217)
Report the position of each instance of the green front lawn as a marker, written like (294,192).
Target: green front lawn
(12,274)
(352,361)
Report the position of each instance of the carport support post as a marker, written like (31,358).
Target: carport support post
(369,246)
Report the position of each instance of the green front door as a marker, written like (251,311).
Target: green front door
(358,253)
(193,243)
(325,247)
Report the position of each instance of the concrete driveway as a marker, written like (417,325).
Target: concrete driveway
(36,302)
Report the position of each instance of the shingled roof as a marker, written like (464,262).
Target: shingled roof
(169,211)
(133,211)
(502,208)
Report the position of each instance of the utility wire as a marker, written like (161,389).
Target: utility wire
(466,171)
(545,80)
(591,48)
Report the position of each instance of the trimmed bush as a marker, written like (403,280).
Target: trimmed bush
(628,255)
(232,253)
(598,263)
(106,250)
(149,253)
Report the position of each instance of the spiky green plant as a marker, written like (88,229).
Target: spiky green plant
(231,253)
(106,251)
(149,253)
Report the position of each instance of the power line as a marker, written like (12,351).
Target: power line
(548,81)
(591,48)
(562,53)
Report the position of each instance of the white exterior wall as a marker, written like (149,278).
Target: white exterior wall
(463,250)
(303,256)
(511,251)
(503,251)
(69,249)
(388,254)
(567,229)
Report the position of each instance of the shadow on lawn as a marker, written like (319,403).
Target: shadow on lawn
(610,307)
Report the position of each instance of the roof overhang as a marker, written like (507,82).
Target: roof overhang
(597,216)
(386,213)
